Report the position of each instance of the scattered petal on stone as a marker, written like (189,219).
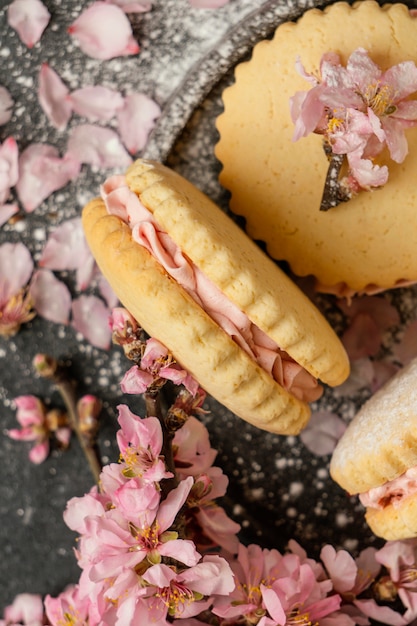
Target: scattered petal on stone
(91,319)
(136,120)
(53,97)
(42,172)
(131,6)
(208,4)
(7,211)
(322,432)
(29,18)
(6,106)
(107,292)
(97,103)
(51,297)
(406,349)
(97,146)
(16,266)
(104,32)
(67,249)
(9,167)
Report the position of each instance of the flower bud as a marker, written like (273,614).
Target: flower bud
(88,409)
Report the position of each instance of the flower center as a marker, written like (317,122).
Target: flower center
(176,597)
(137,461)
(296,618)
(380,99)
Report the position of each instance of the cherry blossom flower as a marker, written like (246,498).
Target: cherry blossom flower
(136,119)
(140,444)
(96,103)
(67,249)
(123,325)
(193,454)
(6,105)
(68,608)
(29,18)
(16,268)
(37,424)
(27,609)
(350,577)
(98,146)
(90,317)
(358,110)
(156,366)
(42,172)
(9,168)
(104,32)
(53,97)
(322,432)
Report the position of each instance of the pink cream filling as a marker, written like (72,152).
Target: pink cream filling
(392,492)
(125,204)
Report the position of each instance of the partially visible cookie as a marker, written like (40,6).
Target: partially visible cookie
(366,243)
(241,273)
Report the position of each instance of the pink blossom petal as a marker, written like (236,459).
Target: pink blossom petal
(208,4)
(42,172)
(67,249)
(7,211)
(341,568)
(100,147)
(403,77)
(26,608)
(136,120)
(51,297)
(29,18)
(6,105)
(362,337)
(38,453)
(16,267)
(91,319)
(107,292)
(322,432)
(97,103)
(363,71)
(9,168)
(104,32)
(396,139)
(131,6)
(53,97)
(136,381)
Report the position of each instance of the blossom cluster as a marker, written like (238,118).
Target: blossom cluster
(154,547)
(359,109)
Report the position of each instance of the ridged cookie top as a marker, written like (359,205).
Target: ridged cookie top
(381,441)
(240,269)
(276,184)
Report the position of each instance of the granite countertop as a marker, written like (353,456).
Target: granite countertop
(278,488)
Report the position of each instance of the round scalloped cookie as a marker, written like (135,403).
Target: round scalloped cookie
(277,184)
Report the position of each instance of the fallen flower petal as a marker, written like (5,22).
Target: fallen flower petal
(96,103)
(9,169)
(91,319)
(100,147)
(29,18)
(7,211)
(27,608)
(51,297)
(6,105)
(136,120)
(16,267)
(104,32)
(208,4)
(42,172)
(322,432)
(131,6)
(53,97)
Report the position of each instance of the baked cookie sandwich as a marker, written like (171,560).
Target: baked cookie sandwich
(377,457)
(318,143)
(194,281)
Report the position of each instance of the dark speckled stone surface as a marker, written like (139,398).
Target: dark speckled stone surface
(278,490)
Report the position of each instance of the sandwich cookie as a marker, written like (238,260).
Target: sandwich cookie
(377,457)
(194,281)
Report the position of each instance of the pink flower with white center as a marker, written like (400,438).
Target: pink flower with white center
(157,365)
(29,18)
(6,105)
(42,172)
(68,609)
(31,415)
(140,443)
(97,146)
(187,592)
(53,97)
(16,266)
(104,32)
(358,110)
(9,169)
(136,119)
(67,249)
(27,609)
